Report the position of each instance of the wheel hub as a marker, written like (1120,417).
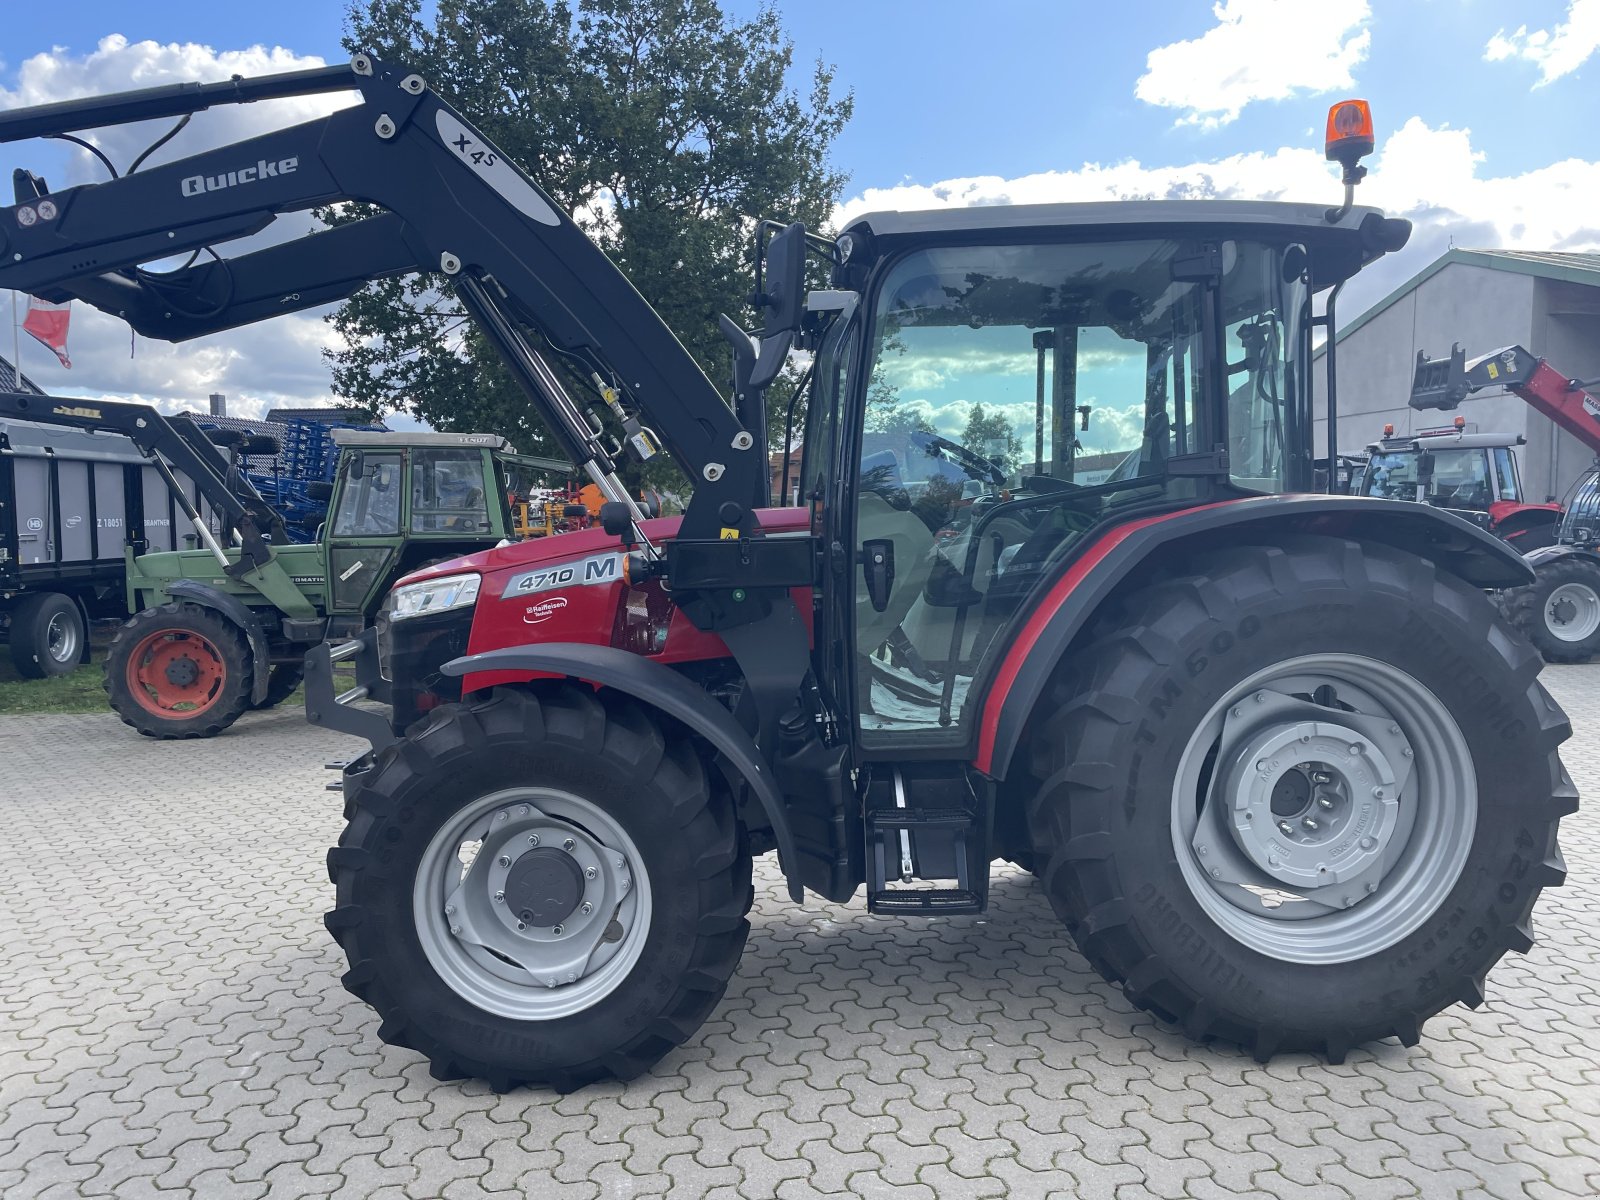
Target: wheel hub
(182,672)
(544,886)
(1312,802)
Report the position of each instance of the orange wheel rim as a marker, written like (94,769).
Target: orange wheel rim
(174,673)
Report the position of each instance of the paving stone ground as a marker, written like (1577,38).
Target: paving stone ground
(171,1024)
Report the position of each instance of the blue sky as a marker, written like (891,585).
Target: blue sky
(1485,111)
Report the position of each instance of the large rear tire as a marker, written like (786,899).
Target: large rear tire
(603,910)
(1300,797)
(47,635)
(1560,611)
(179,671)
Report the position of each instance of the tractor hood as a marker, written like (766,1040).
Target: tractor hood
(547,551)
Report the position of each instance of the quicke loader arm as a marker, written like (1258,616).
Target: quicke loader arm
(453,204)
(1445,383)
(170,443)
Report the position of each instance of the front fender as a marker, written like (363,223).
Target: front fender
(240,614)
(1067,607)
(1545,555)
(660,687)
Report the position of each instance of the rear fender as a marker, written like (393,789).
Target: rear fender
(665,689)
(203,594)
(1114,560)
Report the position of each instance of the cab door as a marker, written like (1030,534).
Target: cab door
(364,528)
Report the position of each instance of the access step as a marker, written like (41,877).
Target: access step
(926,823)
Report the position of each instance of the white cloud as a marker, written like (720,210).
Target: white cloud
(1435,177)
(257,366)
(1258,50)
(1556,52)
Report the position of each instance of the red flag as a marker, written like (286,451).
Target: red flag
(48,323)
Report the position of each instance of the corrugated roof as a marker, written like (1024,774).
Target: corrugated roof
(9,380)
(1566,266)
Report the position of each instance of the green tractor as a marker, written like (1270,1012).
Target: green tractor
(223,628)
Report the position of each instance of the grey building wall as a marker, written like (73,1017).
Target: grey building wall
(1483,309)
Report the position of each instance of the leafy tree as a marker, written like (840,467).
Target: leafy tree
(663,125)
(991,435)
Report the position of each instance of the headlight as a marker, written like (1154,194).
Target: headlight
(433,596)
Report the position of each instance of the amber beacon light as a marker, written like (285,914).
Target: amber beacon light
(1349,140)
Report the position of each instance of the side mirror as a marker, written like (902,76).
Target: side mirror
(616,520)
(781,290)
(355,464)
(877,563)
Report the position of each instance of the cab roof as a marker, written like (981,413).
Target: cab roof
(1338,249)
(375,438)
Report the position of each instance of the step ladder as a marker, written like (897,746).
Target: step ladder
(927,833)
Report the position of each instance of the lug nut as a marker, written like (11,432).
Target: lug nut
(522,810)
(1285,828)
(1321,777)
(1261,764)
(586,908)
(522,924)
(455,930)
(505,860)
(1356,748)
(625,884)
(569,845)
(1324,803)
(499,897)
(556,930)
(1377,793)
(449,910)
(1371,887)
(1261,697)
(1216,872)
(590,872)
(1237,712)
(533,839)
(1310,823)
(500,816)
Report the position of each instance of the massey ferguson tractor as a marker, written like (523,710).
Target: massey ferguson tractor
(1274,757)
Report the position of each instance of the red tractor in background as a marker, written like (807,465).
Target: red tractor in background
(1472,474)
(1560,610)
(1275,758)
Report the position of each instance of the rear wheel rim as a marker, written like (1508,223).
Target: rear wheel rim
(61,638)
(1324,808)
(1572,612)
(176,674)
(503,856)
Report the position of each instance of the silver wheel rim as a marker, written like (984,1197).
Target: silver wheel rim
(472,875)
(1324,809)
(1572,612)
(61,638)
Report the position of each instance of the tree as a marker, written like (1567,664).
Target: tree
(991,435)
(663,125)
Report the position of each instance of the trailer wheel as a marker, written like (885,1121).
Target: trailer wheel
(1301,798)
(179,671)
(539,889)
(47,635)
(281,683)
(1559,612)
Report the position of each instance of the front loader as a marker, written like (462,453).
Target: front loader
(1273,756)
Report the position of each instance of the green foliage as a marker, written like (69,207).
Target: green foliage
(991,435)
(663,125)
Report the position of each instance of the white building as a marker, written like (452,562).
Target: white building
(1484,299)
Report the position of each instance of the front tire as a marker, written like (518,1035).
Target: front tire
(1560,611)
(179,671)
(1384,728)
(601,916)
(281,683)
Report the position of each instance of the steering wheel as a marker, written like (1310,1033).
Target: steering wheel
(974,464)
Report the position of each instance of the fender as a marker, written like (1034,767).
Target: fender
(661,687)
(1066,606)
(239,613)
(1545,555)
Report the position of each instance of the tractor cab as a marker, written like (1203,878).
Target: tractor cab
(1472,474)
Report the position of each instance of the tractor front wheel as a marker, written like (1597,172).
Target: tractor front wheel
(1559,612)
(1300,797)
(539,889)
(179,671)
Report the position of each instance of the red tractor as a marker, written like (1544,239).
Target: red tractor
(1473,474)
(1275,759)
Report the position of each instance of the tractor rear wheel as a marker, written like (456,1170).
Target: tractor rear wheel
(1300,797)
(179,671)
(1559,612)
(281,683)
(539,888)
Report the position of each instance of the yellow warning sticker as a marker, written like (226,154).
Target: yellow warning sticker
(729,534)
(1494,371)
